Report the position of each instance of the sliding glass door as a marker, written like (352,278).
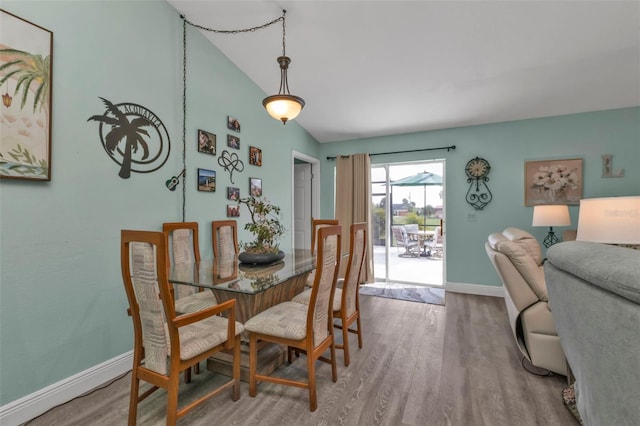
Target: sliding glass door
(408,222)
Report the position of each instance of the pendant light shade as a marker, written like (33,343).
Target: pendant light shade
(284,106)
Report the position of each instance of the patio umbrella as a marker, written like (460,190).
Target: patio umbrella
(423,179)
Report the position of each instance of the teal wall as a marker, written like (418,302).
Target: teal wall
(506,146)
(62,304)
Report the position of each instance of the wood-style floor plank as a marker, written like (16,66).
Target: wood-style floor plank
(420,365)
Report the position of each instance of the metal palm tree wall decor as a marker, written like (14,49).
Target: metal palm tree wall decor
(124,135)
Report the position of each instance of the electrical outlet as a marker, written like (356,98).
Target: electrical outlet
(471,217)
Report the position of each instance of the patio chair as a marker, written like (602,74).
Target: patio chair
(435,246)
(411,247)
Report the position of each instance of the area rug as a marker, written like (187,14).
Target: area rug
(412,293)
(569,400)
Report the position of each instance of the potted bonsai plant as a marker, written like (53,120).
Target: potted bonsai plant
(266,227)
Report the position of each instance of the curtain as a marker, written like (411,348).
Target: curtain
(353,202)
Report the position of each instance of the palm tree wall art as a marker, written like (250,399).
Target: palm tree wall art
(26,50)
(124,136)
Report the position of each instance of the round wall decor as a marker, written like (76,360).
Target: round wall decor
(477,170)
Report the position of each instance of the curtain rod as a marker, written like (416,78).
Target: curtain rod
(448,148)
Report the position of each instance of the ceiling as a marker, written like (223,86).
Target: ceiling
(375,68)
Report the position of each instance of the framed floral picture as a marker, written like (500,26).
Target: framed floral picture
(26,55)
(553,182)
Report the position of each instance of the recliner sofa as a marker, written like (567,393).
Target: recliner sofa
(517,258)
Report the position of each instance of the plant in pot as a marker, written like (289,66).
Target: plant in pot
(266,227)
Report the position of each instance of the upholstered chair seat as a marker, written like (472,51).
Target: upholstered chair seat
(305,296)
(198,337)
(195,302)
(287,320)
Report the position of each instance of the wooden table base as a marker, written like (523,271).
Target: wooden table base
(269,358)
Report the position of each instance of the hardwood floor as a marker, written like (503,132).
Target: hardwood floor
(420,365)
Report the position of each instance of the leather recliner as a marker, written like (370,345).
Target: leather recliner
(517,258)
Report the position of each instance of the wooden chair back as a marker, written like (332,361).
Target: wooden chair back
(224,237)
(357,251)
(316,224)
(320,313)
(181,239)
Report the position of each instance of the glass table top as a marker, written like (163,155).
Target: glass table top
(229,275)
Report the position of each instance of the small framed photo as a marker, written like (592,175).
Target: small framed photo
(233,210)
(206,142)
(206,180)
(255,187)
(255,156)
(553,182)
(233,124)
(233,142)
(233,193)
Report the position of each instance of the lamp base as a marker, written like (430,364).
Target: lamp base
(550,239)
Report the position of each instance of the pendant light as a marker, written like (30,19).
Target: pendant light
(284,106)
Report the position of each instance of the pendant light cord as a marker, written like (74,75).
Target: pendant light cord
(184,118)
(185,21)
(243,30)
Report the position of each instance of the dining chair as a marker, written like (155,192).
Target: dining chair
(182,237)
(166,344)
(224,237)
(346,300)
(316,224)
(307,328)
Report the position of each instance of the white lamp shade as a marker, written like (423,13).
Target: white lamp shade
(551,215)
(612,220)
(283,107)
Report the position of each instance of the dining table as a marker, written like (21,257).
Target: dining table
(255,288)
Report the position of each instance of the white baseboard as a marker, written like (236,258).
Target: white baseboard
(480,290)
(30,406)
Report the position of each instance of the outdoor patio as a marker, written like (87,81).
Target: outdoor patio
(418,270)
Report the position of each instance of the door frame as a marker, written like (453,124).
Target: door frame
(315,186)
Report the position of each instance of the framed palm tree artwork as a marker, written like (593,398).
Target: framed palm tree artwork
(26,52)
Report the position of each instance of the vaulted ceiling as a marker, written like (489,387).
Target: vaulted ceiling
(373,68)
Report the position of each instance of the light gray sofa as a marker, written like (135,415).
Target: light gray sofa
(594,294)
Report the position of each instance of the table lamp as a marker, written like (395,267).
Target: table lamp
(551,215)
(612,220)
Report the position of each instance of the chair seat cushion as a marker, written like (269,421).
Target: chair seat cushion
(305,296)
(287,320)
(195,302)
(203,335)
